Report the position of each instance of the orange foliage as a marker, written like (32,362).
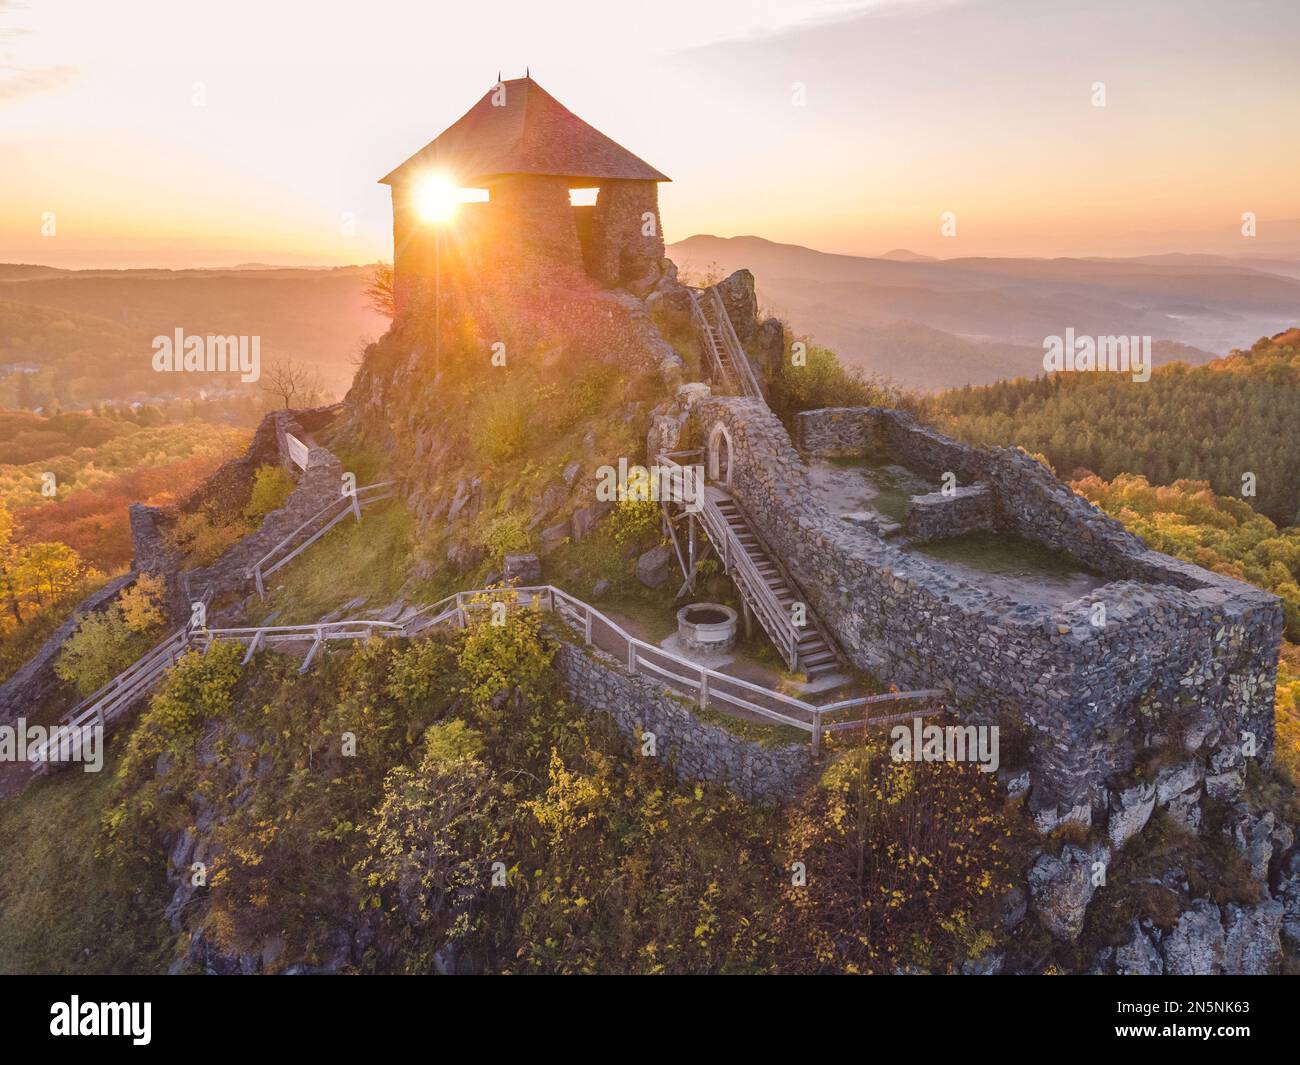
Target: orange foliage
(95,523)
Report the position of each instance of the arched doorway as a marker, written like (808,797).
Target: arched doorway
(720,455)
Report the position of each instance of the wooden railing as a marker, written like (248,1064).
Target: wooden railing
(736,562)
(314,528)
(708,687)
(718,368)
(318,632)
(102,707)
(735,350)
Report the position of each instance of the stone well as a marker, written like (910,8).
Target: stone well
(707,628)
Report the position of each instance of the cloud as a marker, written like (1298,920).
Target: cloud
(16,82)
(741,21)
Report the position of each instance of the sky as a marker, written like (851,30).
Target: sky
(172,133)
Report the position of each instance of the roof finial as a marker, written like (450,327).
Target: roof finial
(526,73)
(498,77)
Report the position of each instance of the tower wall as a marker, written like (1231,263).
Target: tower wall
(627,242)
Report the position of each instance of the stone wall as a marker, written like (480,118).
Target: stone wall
(695,749)
(940,515)
(316,487)
(620,252)
(1184,654)
(319,485)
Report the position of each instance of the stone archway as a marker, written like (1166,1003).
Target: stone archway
(720,455)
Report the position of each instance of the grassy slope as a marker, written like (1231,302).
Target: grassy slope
(64,909)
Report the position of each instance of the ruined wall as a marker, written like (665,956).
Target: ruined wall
(1189,655)
(696,750)
(317,486)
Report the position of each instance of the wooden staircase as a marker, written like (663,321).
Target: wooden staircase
(767,588)
(725,353)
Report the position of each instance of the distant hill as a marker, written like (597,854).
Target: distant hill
(903,255)
(936,323)
(91,331)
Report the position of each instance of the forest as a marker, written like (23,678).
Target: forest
(1219,423)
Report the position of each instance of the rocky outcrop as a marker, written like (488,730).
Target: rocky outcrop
(655,566)
(1194,947)
(1130,810)
(1139,956)
(1252,943)
(1062,885)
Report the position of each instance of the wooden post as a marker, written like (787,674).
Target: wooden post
(586,628)
(257,579)
(631,656)
(817,733)
(356,505)
(704,689)
(690,547)
(460,612)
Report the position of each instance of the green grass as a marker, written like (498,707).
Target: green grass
(64,909)
(760,732)
(371,558)
(1002,553)
(892,499)
(366,462)
(576,567)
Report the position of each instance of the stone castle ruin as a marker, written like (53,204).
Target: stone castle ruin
(1141,652)
(856,538)
(1131,650)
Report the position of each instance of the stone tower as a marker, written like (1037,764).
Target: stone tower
(524,153)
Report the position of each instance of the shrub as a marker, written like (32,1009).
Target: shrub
(202,540)
(501,658)
(142,603)
(503,430)
(632,521)
(507,535)
(905,861)
(418,672)
(430,836)
(103,645)
(824,382)
(198,688)
(271,487)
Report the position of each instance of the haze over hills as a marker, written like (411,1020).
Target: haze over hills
(94,328)
(936,323)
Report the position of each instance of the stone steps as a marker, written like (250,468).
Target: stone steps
(814,655)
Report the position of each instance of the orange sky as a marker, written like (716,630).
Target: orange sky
(172,134)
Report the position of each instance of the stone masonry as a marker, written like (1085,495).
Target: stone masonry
(1184,657)
(317,486)
(695,749)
